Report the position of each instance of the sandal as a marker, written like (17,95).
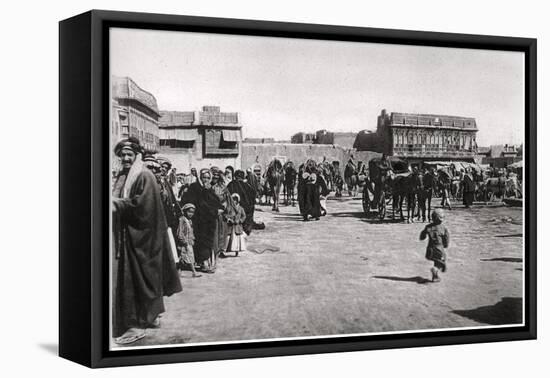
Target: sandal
(155,323)
(130,336)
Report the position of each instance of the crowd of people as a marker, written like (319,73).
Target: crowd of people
(165,224)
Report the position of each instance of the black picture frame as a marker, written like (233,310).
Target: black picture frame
(84,196)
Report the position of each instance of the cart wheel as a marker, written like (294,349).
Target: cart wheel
(366,202)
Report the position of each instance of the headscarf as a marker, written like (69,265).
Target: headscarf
(239,174)
(151,162)
(131,178)
(131,143)
(162,161)
(188,206)
(202,171)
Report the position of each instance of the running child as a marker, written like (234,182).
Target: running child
(438,240)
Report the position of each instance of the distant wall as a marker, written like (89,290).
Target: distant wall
(183,161)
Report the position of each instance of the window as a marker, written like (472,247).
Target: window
(218,142)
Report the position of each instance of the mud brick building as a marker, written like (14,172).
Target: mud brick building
(343,139)
(200,139)
(500,156)
(302,138)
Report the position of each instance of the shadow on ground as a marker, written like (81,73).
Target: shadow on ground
(508,311)
(417,279)
(348,214)
(509,236)
(50,348)
(343,199)
(296,218)
(384,221)
(505,259)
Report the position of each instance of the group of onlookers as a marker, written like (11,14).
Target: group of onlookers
(163,222)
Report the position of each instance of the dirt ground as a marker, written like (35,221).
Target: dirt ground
(348,274)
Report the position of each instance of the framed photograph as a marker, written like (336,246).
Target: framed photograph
(235,189)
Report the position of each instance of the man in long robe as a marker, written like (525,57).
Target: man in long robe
(143,266)
(254,182)
(468,189)
(247,197)
(301,189)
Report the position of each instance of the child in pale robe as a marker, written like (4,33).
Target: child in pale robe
(237,237)
(186,238)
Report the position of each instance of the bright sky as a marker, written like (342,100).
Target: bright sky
(281,86)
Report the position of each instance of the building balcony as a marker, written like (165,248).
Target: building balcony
(423,151)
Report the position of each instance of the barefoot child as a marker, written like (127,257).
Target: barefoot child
(237,241)
(186,239)
(438,240)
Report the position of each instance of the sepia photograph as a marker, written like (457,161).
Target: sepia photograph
(270,188)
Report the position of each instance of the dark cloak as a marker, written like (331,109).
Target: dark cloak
(205,220)
(468,190)
(312,201)
(144,267)
(247,202)
(254,183)
(172,211)
(301,194)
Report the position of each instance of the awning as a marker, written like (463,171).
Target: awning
(167,133)
(231,135)
(187,135)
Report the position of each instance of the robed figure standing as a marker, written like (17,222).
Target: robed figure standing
(468,189)
(143,266)
(247,197)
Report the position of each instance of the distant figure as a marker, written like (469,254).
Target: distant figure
(438,239)
(468,189)
(323,191)
(312,204)
(445,182)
